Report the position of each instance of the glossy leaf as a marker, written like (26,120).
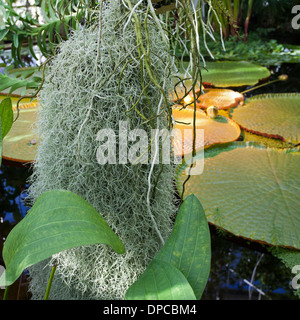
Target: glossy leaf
(59,220)
(161,281)
(250,191)
(188,247)
(183,264)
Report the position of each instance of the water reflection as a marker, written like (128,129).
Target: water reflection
(240,272)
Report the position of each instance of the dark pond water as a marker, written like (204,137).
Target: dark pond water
(240,270)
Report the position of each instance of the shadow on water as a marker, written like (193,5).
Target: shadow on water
(235,263)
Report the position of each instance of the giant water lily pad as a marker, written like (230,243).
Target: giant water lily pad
(220,98)
(216,130)
(20,144)
(273,115)
(232,73)
(250,191)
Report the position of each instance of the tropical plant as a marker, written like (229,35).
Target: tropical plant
(53,225)
(46,30)
(259,48)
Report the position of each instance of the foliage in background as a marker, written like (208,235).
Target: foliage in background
(53,25)
(237,17)
(257,49)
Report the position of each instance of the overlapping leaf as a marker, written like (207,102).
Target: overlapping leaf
(161,281)
(216,130)
(183,264)
(9,84)
(220,98)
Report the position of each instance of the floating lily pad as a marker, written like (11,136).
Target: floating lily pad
(272,115)
(220,98)
(250,191)
(232,73)
(20,144)
(216,130)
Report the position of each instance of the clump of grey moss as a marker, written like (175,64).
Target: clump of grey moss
(92,84)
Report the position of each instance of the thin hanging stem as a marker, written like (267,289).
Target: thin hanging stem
(264,84)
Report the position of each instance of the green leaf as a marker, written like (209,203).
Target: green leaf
(6,114)
(16,40)
(30,45)
(44,12)
(272,115)
(188,248)
(8,82)
(160,281)
(59,220)
(250,191)
(3,33)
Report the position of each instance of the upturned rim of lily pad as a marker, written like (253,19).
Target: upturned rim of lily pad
(15,160)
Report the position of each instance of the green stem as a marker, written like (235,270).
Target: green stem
(50,282)
(5,293)
(261,85)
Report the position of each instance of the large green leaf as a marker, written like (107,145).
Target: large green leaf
(188,247)
(59,220)
(233,73)
(271,115)
(250,191)
(187,250)
(161,281)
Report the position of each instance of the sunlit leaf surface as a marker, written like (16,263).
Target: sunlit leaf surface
(250,191)
(271,115)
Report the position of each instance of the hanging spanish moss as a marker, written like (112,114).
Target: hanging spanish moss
(93,83)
